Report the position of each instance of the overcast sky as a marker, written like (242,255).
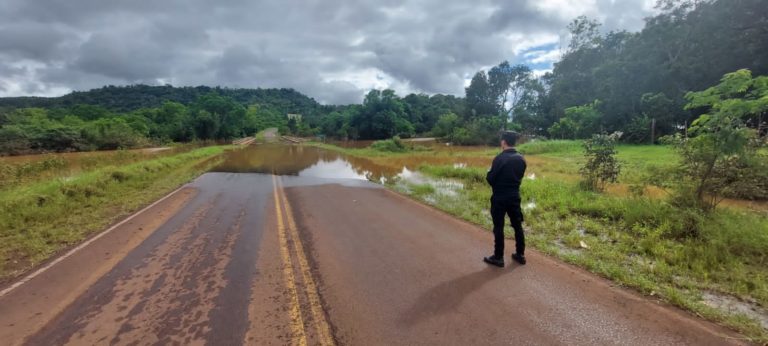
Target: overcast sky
(331,50)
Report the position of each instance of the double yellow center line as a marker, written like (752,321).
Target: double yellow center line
(309,288)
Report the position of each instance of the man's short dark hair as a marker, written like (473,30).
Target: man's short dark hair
(510,137)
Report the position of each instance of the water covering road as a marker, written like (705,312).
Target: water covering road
(292,245)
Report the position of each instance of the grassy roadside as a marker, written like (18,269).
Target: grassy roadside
(25,170)
(39,219)
(634,241)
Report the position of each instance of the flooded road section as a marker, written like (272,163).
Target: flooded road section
(324,166)
(318,254)
(302,161)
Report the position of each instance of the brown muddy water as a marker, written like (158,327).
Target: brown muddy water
(302,160)
(313,162)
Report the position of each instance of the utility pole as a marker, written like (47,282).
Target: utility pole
(653,131)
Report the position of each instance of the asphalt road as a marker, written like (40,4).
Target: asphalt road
(260,259)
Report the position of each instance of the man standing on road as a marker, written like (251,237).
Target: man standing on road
(505,176)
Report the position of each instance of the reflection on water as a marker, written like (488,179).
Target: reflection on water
(312,162)
(336,169)
(302,161)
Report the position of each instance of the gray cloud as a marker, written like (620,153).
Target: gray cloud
(331,50)
(30,40)
(129,56)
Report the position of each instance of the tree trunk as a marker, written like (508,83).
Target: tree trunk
(703,182)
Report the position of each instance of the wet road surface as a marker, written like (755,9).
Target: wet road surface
(242,256)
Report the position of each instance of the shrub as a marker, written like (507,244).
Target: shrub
(478,131)
(722,156)
(578,122)
(638,130)
(445,125)
(394,145)
(460,135)
(601,166)
(13,140)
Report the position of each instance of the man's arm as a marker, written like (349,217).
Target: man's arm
(519,165)
(525,166)
(494,171)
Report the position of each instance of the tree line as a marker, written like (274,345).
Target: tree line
(89,127)
(632,82)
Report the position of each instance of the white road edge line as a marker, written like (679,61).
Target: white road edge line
(83,245)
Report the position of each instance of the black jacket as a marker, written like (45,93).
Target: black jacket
(506,174)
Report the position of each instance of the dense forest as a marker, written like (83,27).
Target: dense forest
(632,82)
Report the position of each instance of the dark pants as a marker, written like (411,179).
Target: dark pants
(511,207)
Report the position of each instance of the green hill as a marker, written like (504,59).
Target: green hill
(130,98)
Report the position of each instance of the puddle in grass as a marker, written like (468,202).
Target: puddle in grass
(313,162)
(733,305)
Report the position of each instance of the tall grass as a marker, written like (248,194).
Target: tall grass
(469,174)
(14,174)
(55,165)
(41,218)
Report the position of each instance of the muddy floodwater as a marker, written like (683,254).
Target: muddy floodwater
(307,161)
(302,160)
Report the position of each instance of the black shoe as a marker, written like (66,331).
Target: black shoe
(518,258)
(499,262)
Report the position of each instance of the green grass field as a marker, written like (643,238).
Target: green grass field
(42,217)
(639,242)
(635,159)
